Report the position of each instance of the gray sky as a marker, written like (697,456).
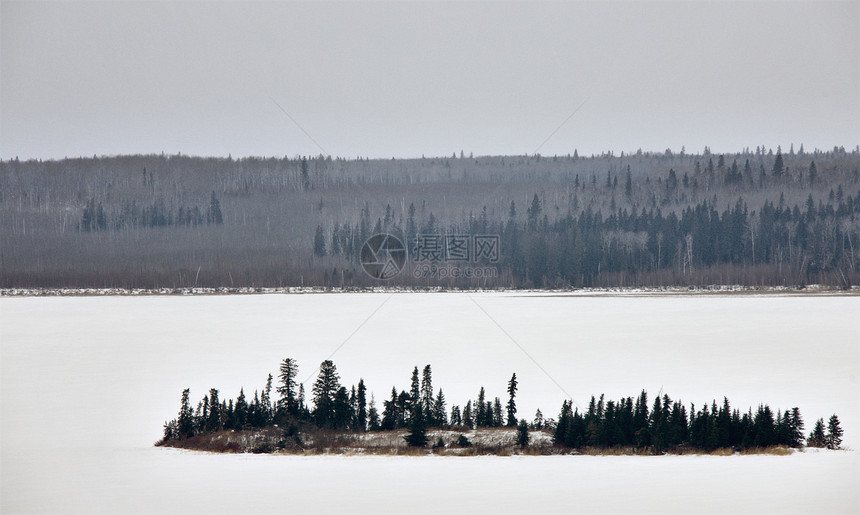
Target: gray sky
(405,79)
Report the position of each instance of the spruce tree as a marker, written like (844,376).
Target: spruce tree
(414,394)
(325,389)
(170,430)
(818,437)
(523,433)
(628,184)
(481,416)
(564,421)
(795,428)
(456,417)
(778,165)
(539,421)
(300,401)
(287,403)
(372,415)
(213,214)
(213,422)
(306,180)
(417,436)
(361,410)
(240,411)
(512,404)
(497,413)
(404,407)
(427,395)
(185,421)
(266,401)
(834,433)
(468,419)
(440,417)
(343,413)
(319,242)
(389,411)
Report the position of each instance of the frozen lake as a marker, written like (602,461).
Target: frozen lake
(88,381)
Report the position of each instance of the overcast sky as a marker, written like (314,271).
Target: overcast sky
(406,79)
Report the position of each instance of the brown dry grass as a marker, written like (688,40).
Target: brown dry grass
(612,451)
(777,450)
(391,443)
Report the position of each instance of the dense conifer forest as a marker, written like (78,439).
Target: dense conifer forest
(758,217)
(279,417)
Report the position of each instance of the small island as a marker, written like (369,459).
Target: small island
(418,422)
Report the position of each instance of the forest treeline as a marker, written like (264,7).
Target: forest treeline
(759,217)
(626,423)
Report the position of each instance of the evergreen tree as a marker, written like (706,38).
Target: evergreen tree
(795,428)
(361,409)
(306,180)
(404,408)
(539,421)
(389,411)
(560,435)
(372,415)
(300,401)
(288,402)
(319,242)
(325,390)
(534,212)
(101,218)
(512,405)
(440,417)
(778,165)
(818,437)
(170,430)
(427,395)
(200,416)
(417,436)
(628,184)
(266,402)
(468,420)
(213,213)
(763,425)
(240,411)
(343,413)
(481,416)
(456,417)
(414,394)
(185,421)
(213,422)
(497,413)
(523,433)
(833,439)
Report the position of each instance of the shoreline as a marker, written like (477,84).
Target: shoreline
(809,290)
(500,441)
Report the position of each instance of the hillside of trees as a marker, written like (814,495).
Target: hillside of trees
(762,217)
(279,417)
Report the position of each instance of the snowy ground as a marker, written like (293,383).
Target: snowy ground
(86,383)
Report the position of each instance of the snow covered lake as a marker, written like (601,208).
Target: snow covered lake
(86,383)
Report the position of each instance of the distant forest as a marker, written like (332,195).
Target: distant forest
(626,423)
(759,217)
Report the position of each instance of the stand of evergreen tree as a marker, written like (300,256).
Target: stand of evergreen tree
(754,217)
(669,425)
(665,426)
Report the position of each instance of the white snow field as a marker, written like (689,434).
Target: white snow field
(86,383)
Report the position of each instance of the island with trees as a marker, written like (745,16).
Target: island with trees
(280,419)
